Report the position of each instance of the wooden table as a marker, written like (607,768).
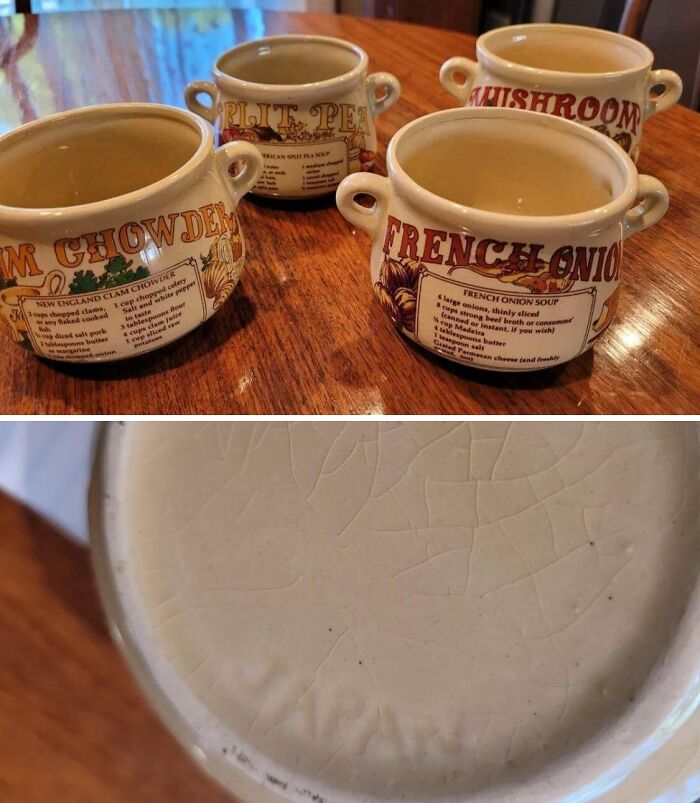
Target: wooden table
(74,727)
(302,333)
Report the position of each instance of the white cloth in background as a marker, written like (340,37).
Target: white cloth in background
(46,464)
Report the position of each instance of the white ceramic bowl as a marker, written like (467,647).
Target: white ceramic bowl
(101,264)
(518,602)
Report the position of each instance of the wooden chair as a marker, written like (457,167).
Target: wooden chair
(633,17)
(460,15)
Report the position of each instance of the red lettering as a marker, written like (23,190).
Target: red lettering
(519,100)
(522,259)
(599,265)
(583,263)
(609,111)
(431,248)
(534,257)
(409,242)
(612,263)
(484,98)
(630,116)
(393,224)
(496,96)
(590,103)
(460,252)
(482,252)
(563,106)
(540,99)
(560,262)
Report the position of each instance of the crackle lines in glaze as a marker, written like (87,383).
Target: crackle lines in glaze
(447,513)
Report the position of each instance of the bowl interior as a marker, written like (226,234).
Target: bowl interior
(566,49)
(423,610)
(289,62)
(510,165)
(89,157)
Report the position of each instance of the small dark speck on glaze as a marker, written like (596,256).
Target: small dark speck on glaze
(243,758)
(308,793)
(276,781)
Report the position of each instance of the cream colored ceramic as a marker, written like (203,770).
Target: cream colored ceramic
(482,611)
(609,85)
(118,229)
(506,292)
(306,102)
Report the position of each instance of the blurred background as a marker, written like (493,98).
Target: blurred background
(46,465)
(671,28)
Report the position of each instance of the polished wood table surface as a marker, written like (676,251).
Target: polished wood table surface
(75,728)
(302,333)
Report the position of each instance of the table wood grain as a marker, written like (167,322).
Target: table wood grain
(302,333)
(74,727)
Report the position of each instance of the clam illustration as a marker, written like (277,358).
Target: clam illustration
(236,239)
(220,275)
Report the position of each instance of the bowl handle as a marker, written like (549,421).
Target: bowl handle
(673,87)
(369,219)
(458,64)
(193,103)
(240,165)
(391,89)
(651,206)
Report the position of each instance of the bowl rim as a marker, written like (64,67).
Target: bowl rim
(608,783)
(460,215)
(69,214)
(339,83)
(560,78)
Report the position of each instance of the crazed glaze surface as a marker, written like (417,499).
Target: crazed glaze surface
(412,610)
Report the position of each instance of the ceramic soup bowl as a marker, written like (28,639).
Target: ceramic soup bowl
(118,229)
(598,78)
(306,102)
(424,611)
(497,237)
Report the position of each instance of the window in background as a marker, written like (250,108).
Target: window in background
(46,465)
(48,6)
